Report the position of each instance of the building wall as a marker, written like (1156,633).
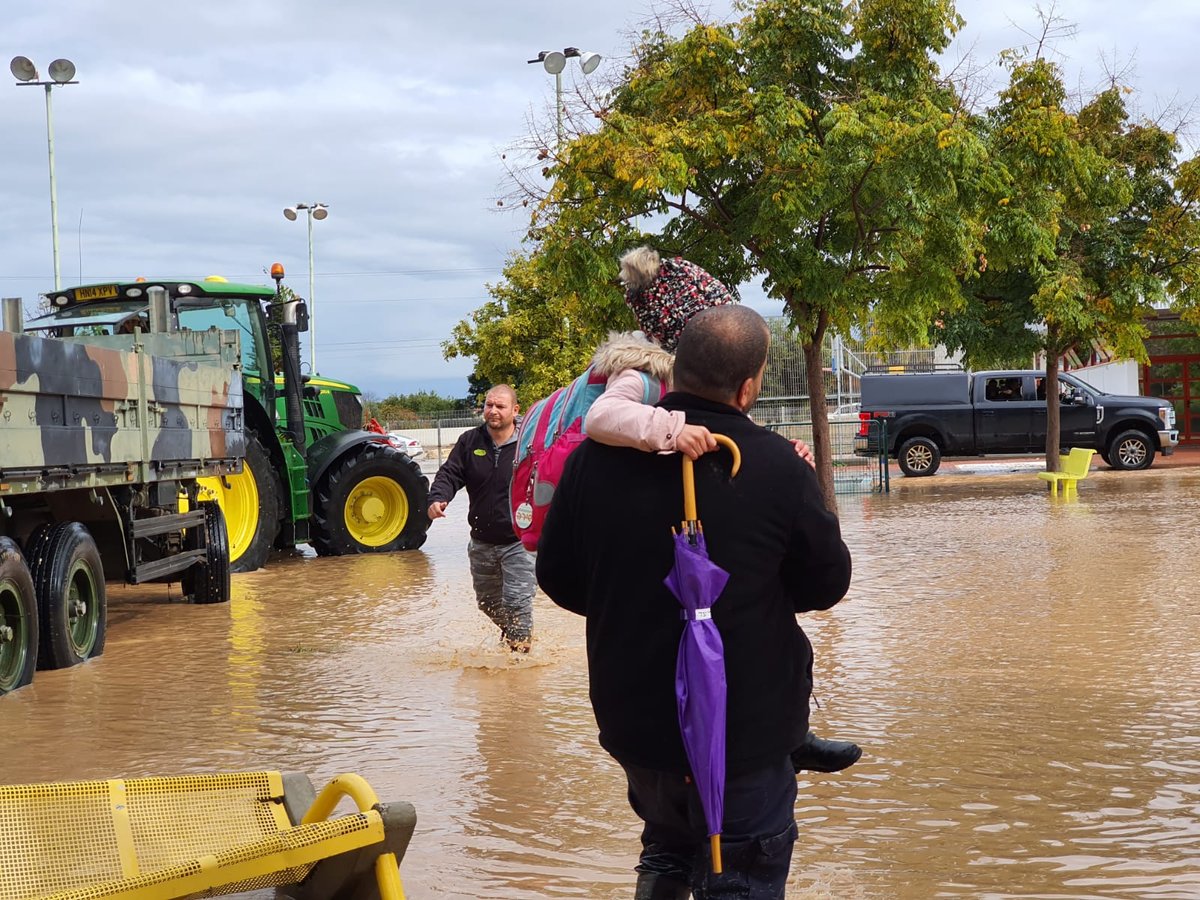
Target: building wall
(1111,377)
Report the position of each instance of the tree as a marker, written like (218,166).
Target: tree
(810,144)
(418,405)
(1089,222)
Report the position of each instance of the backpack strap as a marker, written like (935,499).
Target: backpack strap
(543,424)
(652,389)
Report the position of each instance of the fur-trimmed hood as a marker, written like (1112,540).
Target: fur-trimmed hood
(633,350)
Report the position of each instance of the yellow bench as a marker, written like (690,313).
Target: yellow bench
(1072,468)
(200,836)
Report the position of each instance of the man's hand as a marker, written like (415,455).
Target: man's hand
(694,441)
(804,452)
(437,509)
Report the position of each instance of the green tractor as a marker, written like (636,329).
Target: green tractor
(312,473)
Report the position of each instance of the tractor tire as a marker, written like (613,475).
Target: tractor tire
(251,503)
(373,501)
(68,579)
(18,619)
(208,582)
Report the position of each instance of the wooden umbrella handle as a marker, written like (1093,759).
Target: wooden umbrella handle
(689,477)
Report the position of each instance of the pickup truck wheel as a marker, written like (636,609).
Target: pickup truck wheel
(919,456)
(1131,450)
(18,619)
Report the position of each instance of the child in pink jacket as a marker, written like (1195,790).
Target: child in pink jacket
(664,295)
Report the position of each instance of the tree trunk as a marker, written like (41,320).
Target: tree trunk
(819,412)
(1052,411)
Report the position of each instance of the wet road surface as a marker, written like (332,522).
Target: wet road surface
(1021,673)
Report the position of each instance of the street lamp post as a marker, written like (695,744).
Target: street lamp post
(62,71)
(554,63)
(316,211)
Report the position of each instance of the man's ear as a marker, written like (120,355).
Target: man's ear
(745,394)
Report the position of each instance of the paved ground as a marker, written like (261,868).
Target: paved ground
(1184,455)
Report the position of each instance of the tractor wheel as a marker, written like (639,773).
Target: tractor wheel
(372,501)
(18,619)
(68,578)
(251,505)
(208,582)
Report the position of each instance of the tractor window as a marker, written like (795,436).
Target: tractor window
(205,317)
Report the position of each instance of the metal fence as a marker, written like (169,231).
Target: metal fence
(843,361)
(852,474)
(436,434)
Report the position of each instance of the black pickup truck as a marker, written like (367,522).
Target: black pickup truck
(955,413)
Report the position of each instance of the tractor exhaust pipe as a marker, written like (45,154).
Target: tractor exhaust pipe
(161,320)
(290,351)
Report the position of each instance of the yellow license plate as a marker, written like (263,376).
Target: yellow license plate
(96,292)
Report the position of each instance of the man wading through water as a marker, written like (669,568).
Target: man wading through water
(501,569)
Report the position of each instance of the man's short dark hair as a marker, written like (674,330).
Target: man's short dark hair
(719,349)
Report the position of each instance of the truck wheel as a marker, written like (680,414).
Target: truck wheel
(373,501)
(18,619)
(209,582)
(251,505)
(1131,449)
(919,456)
(68,578)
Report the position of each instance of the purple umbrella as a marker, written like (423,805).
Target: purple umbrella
(697,582)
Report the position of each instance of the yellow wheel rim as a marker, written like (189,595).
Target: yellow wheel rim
(376,511)
(239,502)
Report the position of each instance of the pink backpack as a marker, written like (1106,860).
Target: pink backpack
(549,432)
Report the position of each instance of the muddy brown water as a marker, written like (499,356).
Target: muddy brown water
(1021,672)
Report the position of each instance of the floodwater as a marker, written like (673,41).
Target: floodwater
(1021,672)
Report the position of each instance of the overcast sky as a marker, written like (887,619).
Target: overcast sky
(194,124)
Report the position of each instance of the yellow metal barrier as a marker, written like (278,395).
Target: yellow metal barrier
(198,835)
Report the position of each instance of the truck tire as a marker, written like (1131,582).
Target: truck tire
(68,579)
(919,456)
(372,501)
(18,619)
(1131,450)
(209,582)
(251,503)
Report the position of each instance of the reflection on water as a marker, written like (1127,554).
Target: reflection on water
(1020,671)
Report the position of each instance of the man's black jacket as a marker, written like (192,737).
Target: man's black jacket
(606,548)
(484,469)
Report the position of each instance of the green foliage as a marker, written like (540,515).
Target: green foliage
(815,145)
(810,144)
(274,320)
(419,405)
(1087,224)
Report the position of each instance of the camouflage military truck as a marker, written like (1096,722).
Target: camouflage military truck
(312,474)
(101,434)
